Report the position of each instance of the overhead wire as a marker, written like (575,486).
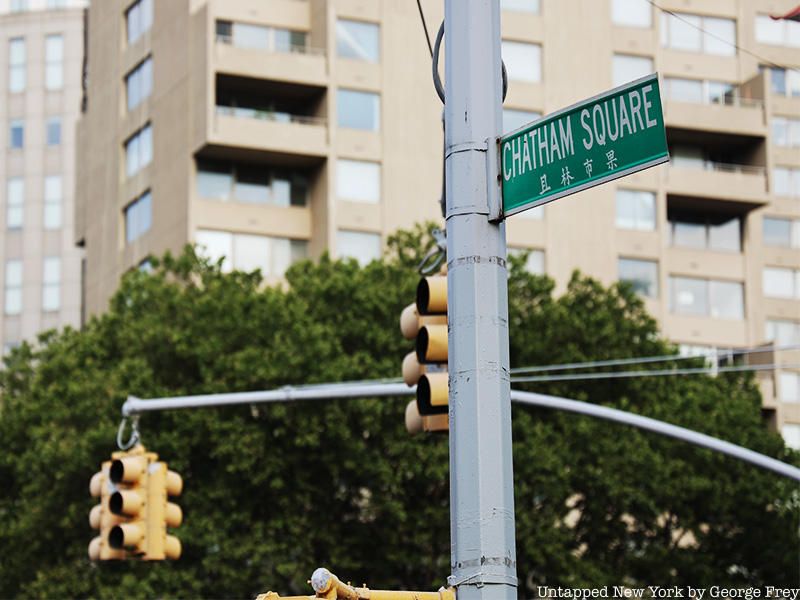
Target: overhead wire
(721,39)
(425,28)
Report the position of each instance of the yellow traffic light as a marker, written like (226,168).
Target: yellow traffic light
(426,320)
(134,513)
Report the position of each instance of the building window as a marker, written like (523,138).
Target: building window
(780,282)
(15,204)
(706,298)
(53,134)
(260,37)
(523,61)
(695,33)
(13,305)
(245,252)
(636,210)
(51,284)
(251,183)
(16,134)
(626,68)
(364,247)
(785,82)
(18,6)
(641,274)
(780,32)
(535,214)
(783,333)
(358,181)
(53,4)
(535,261)
(16,65)
(786,132)
(358,40)
(139,150)
(789,386)
(712,232)
(786,182)
(514,118)
(529,6)
(54,62)
(791,435)
(138,217)
(632,13)
(52,202)
(358,110)
(139,19)
(139,83)
(699,91)
(784,233)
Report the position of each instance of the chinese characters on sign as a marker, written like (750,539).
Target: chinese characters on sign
(603,138)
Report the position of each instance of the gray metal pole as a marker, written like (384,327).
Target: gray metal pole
(482,544)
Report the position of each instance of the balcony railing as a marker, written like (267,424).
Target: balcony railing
(726,100)
(268,115)
(707,165)
(223,38)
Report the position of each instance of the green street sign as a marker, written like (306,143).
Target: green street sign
(611,135)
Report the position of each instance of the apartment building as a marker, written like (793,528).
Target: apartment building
(41,53)
(267,131)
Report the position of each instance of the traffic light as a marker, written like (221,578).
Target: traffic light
(426,320)
(133,514)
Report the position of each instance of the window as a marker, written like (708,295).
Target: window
(786,181)
(535,261)
(786,132)
(784,233)
(699,91)
(246,252)
(358,181)
(687,157)
(536,213)
(357,40)
(53,134)
(13,304)
(789,386)
(244,182)
(712,232)
(706,298)
(138,217)
(54,62)
(364,247)
(636,210)
(781,282)
(16,65)
(139,19)
(780,32)
(626,68)
(791,435)
(523,61)
(19,5)
(783,333)
(632,13)
(358,110)
(56,4)
(641,274)
(530,6)
(51,284)
(16,134)
(514,119)
(261,37)
(139,150)
(785,82)
(694,33)
(52,202)
(139,83)
(15,203)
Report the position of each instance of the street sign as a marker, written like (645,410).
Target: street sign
(611,135)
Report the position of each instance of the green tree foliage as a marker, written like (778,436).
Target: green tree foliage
(273,491)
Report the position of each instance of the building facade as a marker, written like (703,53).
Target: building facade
(269,131)
(41,54)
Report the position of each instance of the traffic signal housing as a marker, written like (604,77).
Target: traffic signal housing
(134,513)
(426,321)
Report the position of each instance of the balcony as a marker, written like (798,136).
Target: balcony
(744,184)
(734,115)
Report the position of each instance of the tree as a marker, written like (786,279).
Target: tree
(273,491)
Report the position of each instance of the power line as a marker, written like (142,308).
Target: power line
(650,359)
(721,39)
(425,27)
(655,373)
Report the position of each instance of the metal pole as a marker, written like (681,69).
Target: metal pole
(482,545)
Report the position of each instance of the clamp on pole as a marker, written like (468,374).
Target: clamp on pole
(134,438)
